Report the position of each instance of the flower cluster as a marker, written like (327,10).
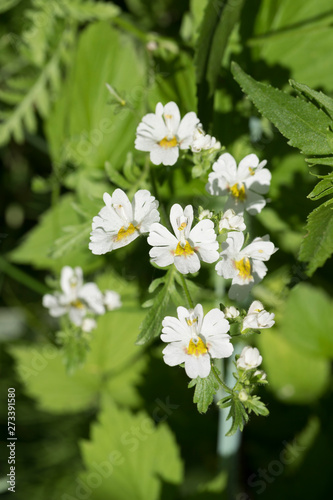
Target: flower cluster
(80,301)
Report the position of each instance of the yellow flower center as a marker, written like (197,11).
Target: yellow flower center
(196,347)
(238,192)
(244,268)
(77,303)
(184,250)
(168,143)
(125,232)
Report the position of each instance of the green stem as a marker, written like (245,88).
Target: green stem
(216,375)
(164,216)
(186,291)
(22,277)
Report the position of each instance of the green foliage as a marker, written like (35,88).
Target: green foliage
(37,247)
(218,22)
(133,456)
(308,128)
(111,367)
(152,325)
(237,413)
(205,389)
(292,35)
(88,126)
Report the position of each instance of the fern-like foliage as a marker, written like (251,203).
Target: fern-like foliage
(42,52)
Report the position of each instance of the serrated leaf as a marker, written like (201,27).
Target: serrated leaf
(152,325)
(238,415)
(113,365)
(133,454)
(255,404)
(321,99)
(205,389)
(306,127)
(323,188)
(317,245)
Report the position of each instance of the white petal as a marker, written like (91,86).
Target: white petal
(174,353)
(187,264)
(93,297)
(171,116)
(197,366)
(259,249)
(166,156)
(220,346)
(214,323)
(162,256)
(161,236)
(249,162)
(186,129)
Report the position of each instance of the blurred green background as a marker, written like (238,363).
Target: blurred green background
(59,127)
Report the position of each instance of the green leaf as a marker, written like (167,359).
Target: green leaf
(294,375)
(36,249)
(256,405)
(307,320)
(237,413)
(7,5)
(113,366)
(86,127)
(152,324)
(292,35)
(321,99)
(306,127)
(86,10)
(205,389)
(115,177)
(131,455)
(219,20)
(317,245)
(323,188)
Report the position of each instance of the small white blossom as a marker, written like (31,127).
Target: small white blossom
(188,247)
(262,375)
(205,214)
(76,299)
(120,222)
(231,312)
(244,185)
(201,140)
(232,221)
(88,324)
(194,339)
(245,266)
(250,358)
(163,133)
(112,300)
(257,317)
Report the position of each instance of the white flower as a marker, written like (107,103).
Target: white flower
(120,222)
(163,133)
(112,300)
(244,185)
(249,358)
(245,266)
(261,374)
(88,324)
(195,339)
(76,298)
(205,214)
(232,222)
(188,247)
(201,140)
(231,312)
(257,317)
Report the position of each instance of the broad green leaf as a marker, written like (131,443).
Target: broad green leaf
(321,99)
(317,245)
(298,36)
(205,389)
(130,455)
(88,126)
(113,365)
(321,161)
(307,320)
(306,127)
(294,375)
(323,188)
(152,324)
(36,249)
